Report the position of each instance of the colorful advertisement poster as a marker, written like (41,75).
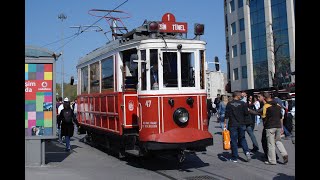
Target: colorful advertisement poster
(38,100)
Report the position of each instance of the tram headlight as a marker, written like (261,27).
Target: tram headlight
(181,116)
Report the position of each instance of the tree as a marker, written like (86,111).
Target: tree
(280,58)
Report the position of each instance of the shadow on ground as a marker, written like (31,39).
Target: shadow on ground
(281,176)
(167,162)
(55,151)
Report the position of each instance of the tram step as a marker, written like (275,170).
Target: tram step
(133,152)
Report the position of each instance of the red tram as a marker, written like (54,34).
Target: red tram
(145,91)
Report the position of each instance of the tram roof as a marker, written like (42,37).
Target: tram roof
(136,35)
(36,52)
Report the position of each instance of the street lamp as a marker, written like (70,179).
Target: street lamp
(62,17)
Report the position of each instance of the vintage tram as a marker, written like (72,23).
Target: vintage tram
(145,91)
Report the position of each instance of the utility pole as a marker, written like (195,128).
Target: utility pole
(62,17)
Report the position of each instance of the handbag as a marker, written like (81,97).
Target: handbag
(226,139)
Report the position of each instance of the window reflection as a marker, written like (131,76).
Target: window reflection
(187,69)
(170,73)
(107,73)
(84,80)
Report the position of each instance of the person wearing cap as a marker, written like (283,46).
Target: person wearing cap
(66,120)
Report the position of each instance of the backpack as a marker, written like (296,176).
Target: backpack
(67,116)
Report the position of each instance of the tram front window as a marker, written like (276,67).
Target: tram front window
(170,73)
(187,69)
(154,75)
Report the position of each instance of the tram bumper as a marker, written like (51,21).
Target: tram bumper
(184,138)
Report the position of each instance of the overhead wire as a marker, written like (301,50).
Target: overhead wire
(77,34)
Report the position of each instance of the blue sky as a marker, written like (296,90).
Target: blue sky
(42,25)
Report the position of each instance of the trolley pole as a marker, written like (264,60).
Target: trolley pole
(62,17)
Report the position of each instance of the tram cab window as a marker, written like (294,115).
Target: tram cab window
(129,69)
(154,73)
(94,77)
(187,69)
(143,71)
(170,73)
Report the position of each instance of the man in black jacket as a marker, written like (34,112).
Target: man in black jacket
(236,111)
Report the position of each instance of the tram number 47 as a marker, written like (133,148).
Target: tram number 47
(148,103)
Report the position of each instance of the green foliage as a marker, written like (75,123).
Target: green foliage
(69,91)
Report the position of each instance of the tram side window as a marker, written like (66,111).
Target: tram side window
(94,77)
(84,80)
(202,69)
(170,73)
(187,69)
(107,73)
(154,76)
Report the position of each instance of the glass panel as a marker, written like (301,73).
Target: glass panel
(262,29)
(234,51)
(94,77)
(170,73)
(84,80)
(187,70)
(233,28)
(263,54)
(143,71)
(260,4)
(244,71)
(240,3)
(262,41)
(154,80)
(241,24)
(107,73)
(260,17)
(232,5)
(202,79)
(235,73)
(243,48)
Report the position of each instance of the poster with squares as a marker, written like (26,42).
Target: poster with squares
(38,100)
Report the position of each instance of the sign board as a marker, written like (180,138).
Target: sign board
(38,99)
(169,25)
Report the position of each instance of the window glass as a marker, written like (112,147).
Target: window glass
(143,71)
(233,28)
(107,73)
(235,73)
(84,80)
(243,48)
(170,73)
(240,3)
(244,72)
(202,80)
(94,77)
(241,24)
(154,76)
(234,51)
(232,6)
(187,69)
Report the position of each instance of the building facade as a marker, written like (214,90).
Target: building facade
(216,82)
(260,43)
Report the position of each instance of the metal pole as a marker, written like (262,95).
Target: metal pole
(62,17)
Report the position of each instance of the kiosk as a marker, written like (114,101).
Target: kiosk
(40,100)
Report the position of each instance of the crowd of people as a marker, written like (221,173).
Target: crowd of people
(242,113)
